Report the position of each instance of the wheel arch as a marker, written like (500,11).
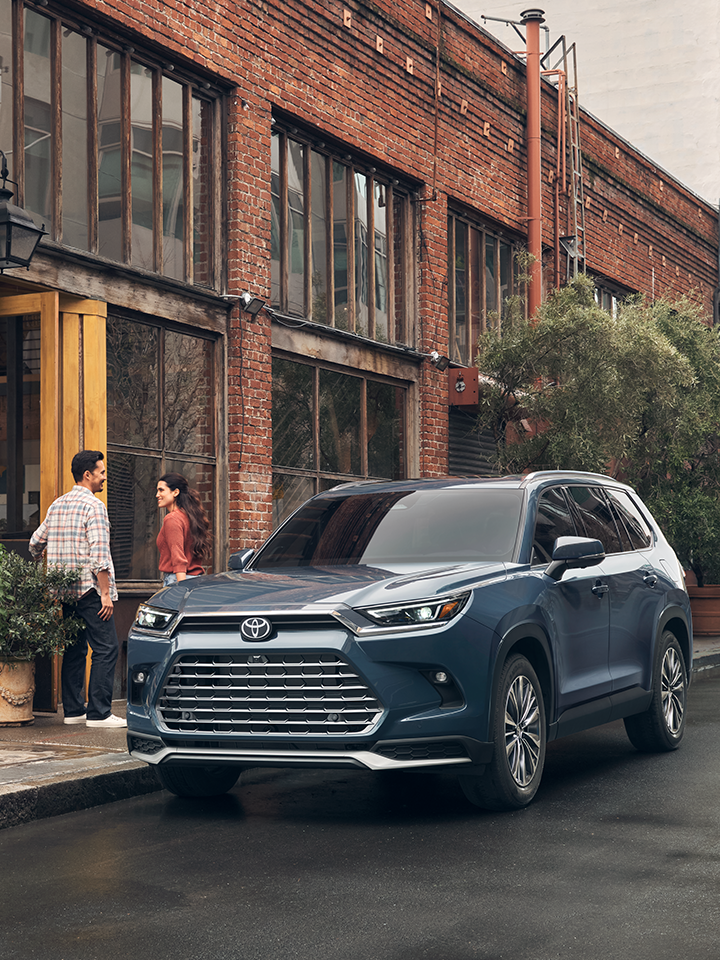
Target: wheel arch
(529,640)
(675,621)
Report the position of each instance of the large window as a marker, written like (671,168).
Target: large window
(341,241)
(111,151)
(330,427)
(161,418)
(482,276)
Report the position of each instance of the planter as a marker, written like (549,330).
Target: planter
(705,606)
(17,686)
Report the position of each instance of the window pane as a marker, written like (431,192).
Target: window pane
(6,82)
(553,520)
(173,201)
(133,515)
(459,346)
(490,277)
(141,175)
(385,430)
(202,127)
(400,245)
(288,494)
(132,363)
(275,239)
(339,423)
(296,228)
(597,517)
(476,325)
(381,263)
(109,155)
(74,140)
(292,415)
(19,425)
(319,239)
(188,399)
(38,135)
(200,477)
(505,275)
(362,294)
(340,264)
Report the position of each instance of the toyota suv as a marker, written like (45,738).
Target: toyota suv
(419,624)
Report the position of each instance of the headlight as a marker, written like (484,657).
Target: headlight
(418,613)
(153,618)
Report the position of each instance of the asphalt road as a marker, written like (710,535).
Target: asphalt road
(618,857)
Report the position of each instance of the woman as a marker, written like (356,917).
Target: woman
(184,538)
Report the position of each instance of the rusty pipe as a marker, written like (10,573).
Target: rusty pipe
(532,20)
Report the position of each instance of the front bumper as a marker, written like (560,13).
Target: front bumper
(383,755)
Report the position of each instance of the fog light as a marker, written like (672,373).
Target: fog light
(139,676)
(441,676)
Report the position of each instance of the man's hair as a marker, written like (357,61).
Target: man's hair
(85,460)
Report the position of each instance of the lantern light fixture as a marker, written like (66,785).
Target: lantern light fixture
(19,234)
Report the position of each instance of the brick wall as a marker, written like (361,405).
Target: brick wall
(364,73)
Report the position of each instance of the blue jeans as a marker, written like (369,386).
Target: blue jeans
(170,578)
(102,637)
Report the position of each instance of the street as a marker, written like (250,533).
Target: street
(618,857)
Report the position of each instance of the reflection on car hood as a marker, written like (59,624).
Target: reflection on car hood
(301,588)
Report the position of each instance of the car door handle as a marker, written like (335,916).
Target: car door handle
(650,579)
(600,588)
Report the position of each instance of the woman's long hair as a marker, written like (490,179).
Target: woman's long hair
(189,501)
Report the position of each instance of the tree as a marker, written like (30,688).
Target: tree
(635,395)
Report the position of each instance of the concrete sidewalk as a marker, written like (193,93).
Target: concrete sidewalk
(49,768)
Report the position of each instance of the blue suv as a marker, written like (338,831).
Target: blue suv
(422,623)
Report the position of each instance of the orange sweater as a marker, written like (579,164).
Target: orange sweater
(175,545)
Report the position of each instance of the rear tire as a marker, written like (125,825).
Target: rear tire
(198,781)
(661,727)
(518,730)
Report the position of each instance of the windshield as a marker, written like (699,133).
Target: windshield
(451,525)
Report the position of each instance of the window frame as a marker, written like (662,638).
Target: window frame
(400,286)
(480,319)
(193,88)
(321,479)
(162,454)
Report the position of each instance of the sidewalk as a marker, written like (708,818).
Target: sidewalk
(49,768)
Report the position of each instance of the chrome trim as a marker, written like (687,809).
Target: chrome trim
(285,758)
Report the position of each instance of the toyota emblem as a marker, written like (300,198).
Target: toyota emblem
(255,628)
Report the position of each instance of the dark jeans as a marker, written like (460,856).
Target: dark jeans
(101,636)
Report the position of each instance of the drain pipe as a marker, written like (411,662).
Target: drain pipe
(532,20)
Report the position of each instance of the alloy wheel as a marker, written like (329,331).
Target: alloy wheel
(522,731)
(672,683)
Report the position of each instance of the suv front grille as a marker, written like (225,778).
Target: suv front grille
(266,694)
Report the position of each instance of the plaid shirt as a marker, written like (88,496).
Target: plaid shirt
(76,532)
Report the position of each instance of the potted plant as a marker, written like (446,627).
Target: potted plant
(31,623)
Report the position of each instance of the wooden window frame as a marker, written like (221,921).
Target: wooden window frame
(191,88)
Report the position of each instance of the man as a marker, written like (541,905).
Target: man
(76,532)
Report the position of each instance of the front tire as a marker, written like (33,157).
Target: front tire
(189,780)
(661,727)
(512,777)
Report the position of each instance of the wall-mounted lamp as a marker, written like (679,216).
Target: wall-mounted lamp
(438,360)
(250,304)
(19,235)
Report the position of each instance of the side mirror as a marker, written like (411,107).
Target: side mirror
(574,553)
(238,561)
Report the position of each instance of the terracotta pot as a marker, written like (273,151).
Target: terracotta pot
(705,606)
(17,686)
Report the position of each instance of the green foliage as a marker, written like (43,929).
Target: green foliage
(636,396)
(31,620)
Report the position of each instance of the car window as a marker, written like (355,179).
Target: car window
(638,531)
(596,516)
(553,520)
(451,525)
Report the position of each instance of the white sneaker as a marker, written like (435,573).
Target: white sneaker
(111,721)
(81,719)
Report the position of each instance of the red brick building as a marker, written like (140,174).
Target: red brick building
(361,167)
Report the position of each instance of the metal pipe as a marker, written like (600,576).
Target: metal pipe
(532,20)
(559,163)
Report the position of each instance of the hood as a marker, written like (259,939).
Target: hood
(327,587)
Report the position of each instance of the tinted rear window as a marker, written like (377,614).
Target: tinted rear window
(457,525)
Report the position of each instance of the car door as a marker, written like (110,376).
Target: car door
(576,609)
(634,589)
